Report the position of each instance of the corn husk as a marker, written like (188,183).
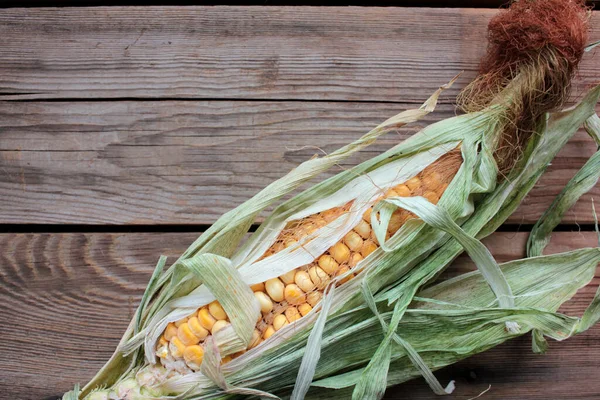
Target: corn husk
(372,310)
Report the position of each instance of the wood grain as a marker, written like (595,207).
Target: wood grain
(187,162)
(301,53)
(65,300)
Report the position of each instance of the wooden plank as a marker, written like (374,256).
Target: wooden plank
(187,162)
(65,300)
(324,53)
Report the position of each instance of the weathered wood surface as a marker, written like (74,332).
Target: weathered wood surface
(306,53)
(65,300)
(187,162)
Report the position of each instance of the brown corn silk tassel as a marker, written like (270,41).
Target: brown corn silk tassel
(534,49)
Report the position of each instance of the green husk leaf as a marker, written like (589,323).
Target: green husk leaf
(584,180)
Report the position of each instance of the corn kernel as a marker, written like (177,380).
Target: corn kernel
(367,215)
(397,219)
(289,243)
(432,180)
(288,277)
(363,229)
(185,334)
(206,319)
(255,339)
(259,287)
(226,359)
(196,328)
(293,294)
(355,258)
(343,271)
(304,309)
(193,356)
(391,193)
(220,324)
(330,215)
(313,298)
(340,252)
(353,241)
(413,183)
(431,196)
(162,341)
(176,347)
(368,247)
(217,310)
(170,331)
(266,305)
(162,351)
(279,322)
(292,314)
(274,288)
(181,321)
(303,281)
(402,190)
(328,264)
(268,332)
(318,277)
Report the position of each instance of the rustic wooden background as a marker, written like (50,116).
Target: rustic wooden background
(126,131)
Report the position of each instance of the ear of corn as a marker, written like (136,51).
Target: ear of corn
(359,230)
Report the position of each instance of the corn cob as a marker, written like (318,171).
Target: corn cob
(289,297)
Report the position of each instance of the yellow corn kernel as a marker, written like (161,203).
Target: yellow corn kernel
(368,247)
(355,258)
(402,190)
(328,264)
(353,241)
(304,309)
(313,298)
(303,281)
(391,193)
(162,341)
(431,196)
(185,334)
(278,246)
(268,332)
(367,215)
(279,322)
(274,288)
(318,277)
(196,328)
(288,277)
(255,339)
(206,319)
(292,314)
(220,324)
(181,321)
(293,294)
(266,305)
(341,272)
(432,180)
(413,183)
(259,287)
(226,359)
(330,215)
(363,229)
(289,242)
(176,347)
(193,356)
(397,219)
(170,331)
(340,252)
(162,351)
(217,310)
